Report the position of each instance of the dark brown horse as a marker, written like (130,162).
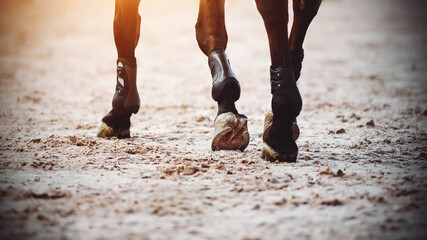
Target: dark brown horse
(280,129)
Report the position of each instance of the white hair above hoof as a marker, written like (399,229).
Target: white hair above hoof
(269,154)
(106,131)
(268,122)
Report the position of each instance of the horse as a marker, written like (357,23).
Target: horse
(230,127)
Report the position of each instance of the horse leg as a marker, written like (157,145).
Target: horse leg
(286,102)
(126,98)
(304,12)
(231,131)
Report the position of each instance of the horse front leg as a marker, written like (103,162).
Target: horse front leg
(286,103)
(304,12)
(126,98)
(231,132)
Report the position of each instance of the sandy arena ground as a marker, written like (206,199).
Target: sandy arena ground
(361,172)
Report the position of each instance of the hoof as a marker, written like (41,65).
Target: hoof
(271,155)
(268,122)
(231,132)
(106,131)
(114,125)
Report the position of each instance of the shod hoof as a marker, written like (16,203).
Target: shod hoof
(231,132)
(106,131)
(268,122)
(271,155)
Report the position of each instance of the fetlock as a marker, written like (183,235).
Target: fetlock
(126,98)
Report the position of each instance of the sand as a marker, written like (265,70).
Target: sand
(361,170)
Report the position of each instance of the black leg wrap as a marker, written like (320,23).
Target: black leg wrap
(296,60)
(126,97)
(222,75)
(283,83)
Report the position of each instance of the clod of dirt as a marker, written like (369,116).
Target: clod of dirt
(45,221)
(329,172)
(220,166)
(48,165)
(73,139)
(168,171)
(340,131)
(35,140)
(280,203)
(190,170)
(201,118)
(353,115)
(339,173)
(51,194)
(256,207)
(334,202)
(370,123)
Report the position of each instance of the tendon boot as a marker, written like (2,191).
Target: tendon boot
(296,60)
(231,130)
(125,101)
(126,98)
(286,104)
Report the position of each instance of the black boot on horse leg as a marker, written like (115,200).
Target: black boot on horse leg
(125,102)
(126,98)
(231,132)
(304,12)
(286,105)
(279,136)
